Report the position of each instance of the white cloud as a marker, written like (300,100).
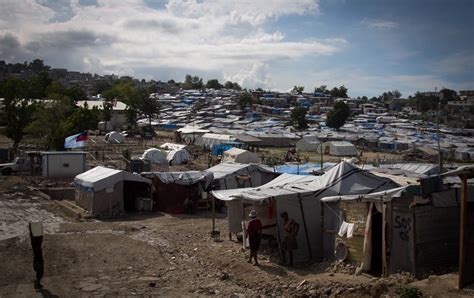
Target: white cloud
(210,36)
(258,76)
(379,24)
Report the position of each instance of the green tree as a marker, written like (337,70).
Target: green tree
(246,99)
(321,89)
(339,92)
(213,84)
(49,123)
(298,89)
(150,108)
(37,66)
(110,97)
(298,118)
(338,116)
(192,82)
(82,119)
(232,85)
(17,109)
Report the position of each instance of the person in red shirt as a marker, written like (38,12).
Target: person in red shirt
(254,232)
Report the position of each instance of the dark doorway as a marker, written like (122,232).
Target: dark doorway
(376,259)
(131,191)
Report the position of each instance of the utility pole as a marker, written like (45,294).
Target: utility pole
(440,157)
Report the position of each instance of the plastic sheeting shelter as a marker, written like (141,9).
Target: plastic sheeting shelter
(104,191)
(339,148)
(114,137)
(172,188)
(240,156)
(300,197)
(178,157)
(230,175)
(209,139)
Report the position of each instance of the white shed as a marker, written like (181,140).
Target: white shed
(63,163)
(240,156)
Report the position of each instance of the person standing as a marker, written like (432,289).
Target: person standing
(36,237)
(254,232)
(289,244)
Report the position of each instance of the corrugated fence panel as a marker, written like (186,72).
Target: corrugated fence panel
(437,238)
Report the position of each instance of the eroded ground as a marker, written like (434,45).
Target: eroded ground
(154,255)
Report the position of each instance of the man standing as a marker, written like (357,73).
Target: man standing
(36,236)
(254,232)
(290,230)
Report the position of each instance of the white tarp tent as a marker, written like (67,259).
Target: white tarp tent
(154,156)
(101,190)
(178,157)
(114,137)
(240,156)
(300,197)
(339,148)
(308,143)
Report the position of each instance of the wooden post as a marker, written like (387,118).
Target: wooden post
(305,227)
(213,214)
(463,232)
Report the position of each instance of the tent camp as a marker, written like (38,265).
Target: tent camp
(300,197)
(104,191)
(114,137)
(178,157)
(240,156)
(308,143)
(172,188)
(231,175)
(339,148)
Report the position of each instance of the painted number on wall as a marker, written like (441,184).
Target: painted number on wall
(404,224)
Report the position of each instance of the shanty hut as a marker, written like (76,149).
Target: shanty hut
(107,192)
(240,156)
(413,228)
(300,197)
(172,188)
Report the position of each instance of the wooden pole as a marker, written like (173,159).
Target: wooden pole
(463,232)
(213,214)
(305,227)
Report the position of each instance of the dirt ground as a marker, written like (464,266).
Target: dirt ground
(155,255)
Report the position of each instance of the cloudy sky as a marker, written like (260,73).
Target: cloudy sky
(369,46)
